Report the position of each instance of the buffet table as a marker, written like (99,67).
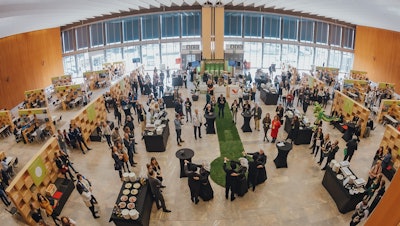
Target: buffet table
(155,142)
(344,201)
(169,100)
(143,204)
(269,98)
(305,133)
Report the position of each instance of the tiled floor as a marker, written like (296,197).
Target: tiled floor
(292,196)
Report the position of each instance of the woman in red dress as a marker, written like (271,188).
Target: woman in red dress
(275,125)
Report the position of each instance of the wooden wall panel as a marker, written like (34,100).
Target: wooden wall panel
(28,61)
(206,32)
(219,32)
(377,52)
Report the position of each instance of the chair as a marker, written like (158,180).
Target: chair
(13,211)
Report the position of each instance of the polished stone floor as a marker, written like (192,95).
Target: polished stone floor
(290,196)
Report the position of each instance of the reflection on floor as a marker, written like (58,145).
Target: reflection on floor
(292,196)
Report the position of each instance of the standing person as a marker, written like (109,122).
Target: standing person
(387,158)
(234,110)
(373,187)
(141,117)
(240,96)
(156,168)
(87,197)
(168,74)
(306,102)
(275,125)
(3,195)
(197,122)
(65,158)
(193,181)
(361,212)
(230,179)
(318,139)
(188,110)
(178,129)
(65,135)
(206,191)
(325,148)
(106,132)
(118,161)
(185,79)
(260,160)
(294,129)
(246,106)
(61,141)
(375,170)
(155,186)
(66,221)
(257,111)
(129,145)
(78,134)
(351,147)
(266,124)
(253,92)
(241,185)
(86,184)
(125,157)
(116,137)
(378,196)
(62,166)
(332,150)
(221,105)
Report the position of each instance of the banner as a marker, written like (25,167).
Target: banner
(38,171)
(348,105)
(29,92)
(383,85)
(3,113)
(91,112)
(32,111)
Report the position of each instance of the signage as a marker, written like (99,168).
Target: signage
(234,47)
(190,47)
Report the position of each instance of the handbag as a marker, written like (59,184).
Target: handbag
(125,157)
(345,151)
(117,166)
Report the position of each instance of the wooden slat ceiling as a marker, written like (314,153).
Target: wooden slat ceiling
(19,16)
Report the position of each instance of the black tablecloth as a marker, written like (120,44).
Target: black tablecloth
(184,154)
(344,201)
(348,135)
(210,123)
(157,143)
(246,122)
(304,136)
(177,81)
(269,98)
(143,205)
(283,151)
(66,187)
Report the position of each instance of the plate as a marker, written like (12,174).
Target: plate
(132,199)
(134,191)
(136,185)
(339,176)
(124,198)
(150,133)
(122,205)
(125,191)
(128,185)
(131,205)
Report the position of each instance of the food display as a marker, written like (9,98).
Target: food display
(128,185)
(125,207)
(122,205)
(131,206)
(132,199)
(346,176)
(134,191)
(124,198)
(136,185)
(126,191)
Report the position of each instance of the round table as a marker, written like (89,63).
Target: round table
(210,119)
(283,151)
(184,154)
(246,122)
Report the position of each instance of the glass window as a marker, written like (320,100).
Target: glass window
(82,37)
(272,54)
(334,58)
(306,31)
(131,52)
(335,35)
(113,55)
(150,27)
(233,24)
(348,38)
(321,31)
(131,29)
(272,27)
(289,55)
(347,62)
(70,66)
(306,57)
(151,56)
(97,59)
(113,32)
(191,24)
(83,63)
(96,35)
(252,25)
(253,54)
(68,41)
(169,53)
(170,25)
(321,57)
(289,28)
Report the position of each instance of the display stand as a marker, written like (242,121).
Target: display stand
(121,88)
(359,75)
(391,139)
(6,120)
(389,107)
(114,69)
(40,114)
(351,87)
(349,108)
(67,94)
(26,184)
(86,119)
(64,80)
(31,97)
(96,79)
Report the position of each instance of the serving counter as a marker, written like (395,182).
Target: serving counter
(268,98)
(305,133)
(157,142)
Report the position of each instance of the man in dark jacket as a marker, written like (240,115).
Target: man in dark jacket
(221,105)
(351,147)
(230,179)
(155,185)
(332,152)
(193,181)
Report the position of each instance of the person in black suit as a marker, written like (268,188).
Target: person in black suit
(332,152)
(155,186)
(257,173)
(279,111)
(221,105)
(230,179)
(351,147)
(78,135)
(294,129)
(193,181)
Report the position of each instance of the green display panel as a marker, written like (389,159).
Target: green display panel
(91,112)
(38,171)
